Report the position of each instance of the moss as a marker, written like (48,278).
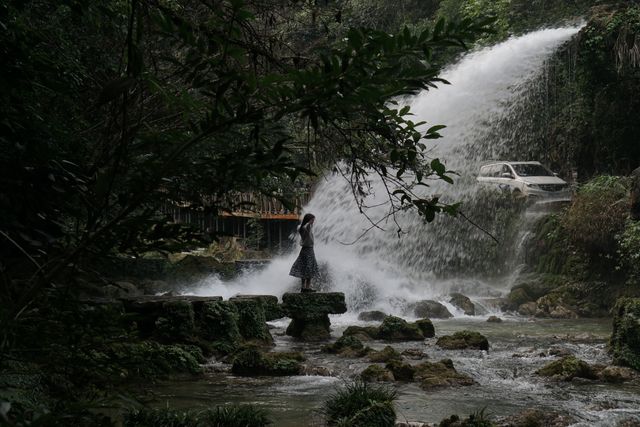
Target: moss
(426,327)
(385,355)
(376,373)
(401,371)
(253,362)
(148,359)
(567,368)
(625,339)
(313,305)
(463,340)
(397,329)
(440,374)
(218,323)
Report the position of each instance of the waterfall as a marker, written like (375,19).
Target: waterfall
(385,271)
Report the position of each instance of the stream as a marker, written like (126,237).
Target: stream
(505,375)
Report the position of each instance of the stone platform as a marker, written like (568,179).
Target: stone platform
(309,313)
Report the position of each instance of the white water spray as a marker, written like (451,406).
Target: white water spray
(381,270)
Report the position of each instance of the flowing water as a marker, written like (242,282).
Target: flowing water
(379,270)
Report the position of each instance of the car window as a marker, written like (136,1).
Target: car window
(528,169)
(505,169)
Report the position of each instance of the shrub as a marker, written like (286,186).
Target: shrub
(598,213)
(629,251)
(221,416)
(361,405)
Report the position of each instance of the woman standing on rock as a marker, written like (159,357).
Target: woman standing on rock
(305,267)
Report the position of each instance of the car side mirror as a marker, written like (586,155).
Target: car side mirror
(507,175)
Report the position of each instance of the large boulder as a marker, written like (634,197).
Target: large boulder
(426,327)
(440,374)
(348,346)
(463,340)
(309,313)
(625,339)
(363,333)
(463,303)
(252,321)
(397,329)
(431,309)
(567,368)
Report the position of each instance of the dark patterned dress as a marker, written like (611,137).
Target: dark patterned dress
(305,266)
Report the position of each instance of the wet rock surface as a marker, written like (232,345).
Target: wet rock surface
(568,368)
(372,316)
(430,309)
(252,362)
(397,329)
(463,340)
(463,303)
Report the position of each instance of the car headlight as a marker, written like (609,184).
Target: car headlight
(532,185)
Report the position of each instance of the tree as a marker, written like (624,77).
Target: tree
(140,102)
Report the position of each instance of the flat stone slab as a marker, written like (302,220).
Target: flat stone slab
(313,305)
(272,309)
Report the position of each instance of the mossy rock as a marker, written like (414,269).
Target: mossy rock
(270,305)
(440,374)
(397,329)
(253,362)
(401,371)
(363,333)
(348,346)
(426,327)
(385,355)
(463,340)
(149,359)
(176,324)
(218,324)
(516,298)
(567,368)
(494,319)
(252,322)
(625,339)
(376,373)
(430,309)
(314,329)
(463,303)
(372,316)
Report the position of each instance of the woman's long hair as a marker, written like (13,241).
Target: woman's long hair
(305,220)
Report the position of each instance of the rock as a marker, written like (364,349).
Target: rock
(309,313)
(218,322)
(415,354)
(370,316)
(463,340)
(617,374)
(348,346)
(253,362)
(528,308)
(440,374)
(376,373)
(252,321)
(385,355)
(625,338)
(562,312)
(567,368)
(272,309)
(533,417)
(401,371)
(516,298)
(397,329)
(463,303)
(494,319)
(363,333)
(559,352)
(426,327)
(320,371)
(121,289)
(430,309)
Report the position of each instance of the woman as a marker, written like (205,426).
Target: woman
(305,267)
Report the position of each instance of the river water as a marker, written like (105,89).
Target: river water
(505,376)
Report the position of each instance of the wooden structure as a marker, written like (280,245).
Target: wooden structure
(264,221)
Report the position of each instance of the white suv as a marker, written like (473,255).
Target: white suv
(525,178)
